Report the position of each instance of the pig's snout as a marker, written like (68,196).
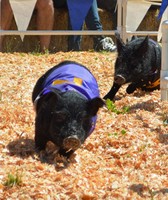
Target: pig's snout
(71,143)
(119,79)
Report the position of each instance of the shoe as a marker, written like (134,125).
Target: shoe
(104,44)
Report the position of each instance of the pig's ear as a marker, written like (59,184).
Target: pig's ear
(55,91)
(94,105)
(143,47)
(55,96)
(134,37)
(119,42)
(48,99)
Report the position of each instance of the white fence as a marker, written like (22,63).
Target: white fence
(164,69)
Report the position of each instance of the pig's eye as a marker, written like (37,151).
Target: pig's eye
(86,121)
(84,118)
(137,70)
(81,116)
(59,117)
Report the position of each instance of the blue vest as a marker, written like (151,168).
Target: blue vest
(72,77)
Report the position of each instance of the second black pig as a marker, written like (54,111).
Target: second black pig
(138,63)
(66,100)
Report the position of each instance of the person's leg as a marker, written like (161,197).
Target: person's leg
(74,41)
(45,21)
(6,18)
(92,19)
(93,23)
(60,3)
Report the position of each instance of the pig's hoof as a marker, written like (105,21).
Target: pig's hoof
(61,162)
(71,143)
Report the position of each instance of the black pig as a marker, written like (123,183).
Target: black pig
(66,100)
(138,63)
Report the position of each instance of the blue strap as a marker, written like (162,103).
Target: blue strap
(78,10)
(162,8)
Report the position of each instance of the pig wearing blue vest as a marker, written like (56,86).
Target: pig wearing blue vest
(66,100)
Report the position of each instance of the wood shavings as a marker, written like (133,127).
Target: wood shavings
(125,157)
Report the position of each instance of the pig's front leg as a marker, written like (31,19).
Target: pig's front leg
(40,135)
(111,94)
(66,154)
(40,141)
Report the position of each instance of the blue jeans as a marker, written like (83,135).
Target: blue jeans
(92,21)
